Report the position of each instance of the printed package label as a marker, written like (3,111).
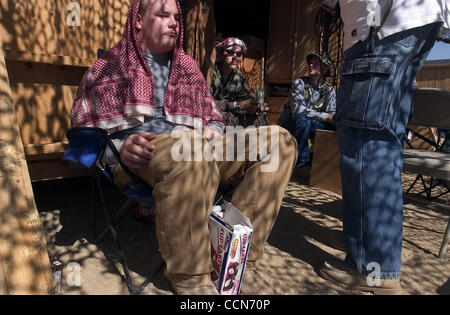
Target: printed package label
(230,233)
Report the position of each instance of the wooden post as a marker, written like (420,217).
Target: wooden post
(200,35)
(24,262)
(3,290)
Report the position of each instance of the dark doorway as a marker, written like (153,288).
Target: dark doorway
(242,18)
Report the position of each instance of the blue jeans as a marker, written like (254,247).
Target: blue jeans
(302,128)
(373,108)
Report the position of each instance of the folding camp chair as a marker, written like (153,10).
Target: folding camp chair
(431,109)
(84,154)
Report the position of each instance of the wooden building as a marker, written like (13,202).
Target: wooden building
(435,74)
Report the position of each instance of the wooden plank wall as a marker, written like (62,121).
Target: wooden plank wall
(292,37)
(46,59)
(307,38)
(37,30)
(335,50)
(252,66)
(434,77)
(431,76)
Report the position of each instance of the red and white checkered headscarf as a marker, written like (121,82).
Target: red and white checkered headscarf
(118,91)
(232,41)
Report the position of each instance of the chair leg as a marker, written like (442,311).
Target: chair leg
(415,181)
(440,182)
(117,218)
(93,212)
(445,241)
(430,187)
(427,189)
(132,288)
(114,235)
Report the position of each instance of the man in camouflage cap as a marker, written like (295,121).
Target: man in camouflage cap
(311,105)
(325,60)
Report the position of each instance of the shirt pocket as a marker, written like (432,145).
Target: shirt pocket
(366,92)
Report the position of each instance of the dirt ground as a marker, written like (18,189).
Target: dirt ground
(296,248)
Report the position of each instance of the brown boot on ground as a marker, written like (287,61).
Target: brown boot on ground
(193,285)
(351,279)
(254,283)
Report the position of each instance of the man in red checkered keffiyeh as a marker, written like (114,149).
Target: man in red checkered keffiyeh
(117,92)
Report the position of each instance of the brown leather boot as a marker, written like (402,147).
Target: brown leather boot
(338,272)
(192,285)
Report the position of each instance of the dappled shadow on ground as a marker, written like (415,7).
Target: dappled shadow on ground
(303,235)
(299,243)
(65,211)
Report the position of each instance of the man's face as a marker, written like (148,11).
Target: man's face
(231,57)
(159,27)
(315,67)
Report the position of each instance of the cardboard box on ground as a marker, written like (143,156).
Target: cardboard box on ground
(230,234)
(325,172)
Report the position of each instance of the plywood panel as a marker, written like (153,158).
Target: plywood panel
(306,39)
(292,36)
(434,77)
(38,30)
(199,35)
(43,96)
(252,68)
(281,37)
(43,112)
(335,50)
(275,108)
(325,171)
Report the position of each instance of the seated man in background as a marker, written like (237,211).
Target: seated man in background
(311,105)
(445,146)
(231,90)
(139,91)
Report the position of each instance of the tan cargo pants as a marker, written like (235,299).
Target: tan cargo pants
(184,192)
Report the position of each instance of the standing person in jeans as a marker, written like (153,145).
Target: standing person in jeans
(385,45)
(311,106)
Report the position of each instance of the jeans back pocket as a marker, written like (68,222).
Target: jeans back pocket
(365,93)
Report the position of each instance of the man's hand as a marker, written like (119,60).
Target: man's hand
(266,109)
(210,133)
(330,117)
(249,106)
(137,150)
